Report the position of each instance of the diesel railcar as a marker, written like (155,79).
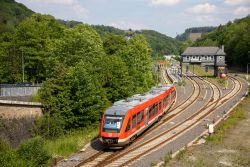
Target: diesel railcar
(126,119)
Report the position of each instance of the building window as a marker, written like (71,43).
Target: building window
(220,57)
(187,57)
(205,57)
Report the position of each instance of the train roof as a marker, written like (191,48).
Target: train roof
(121,107)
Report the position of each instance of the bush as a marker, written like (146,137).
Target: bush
(35,97)
(33,152)
(50,126)
(9,157)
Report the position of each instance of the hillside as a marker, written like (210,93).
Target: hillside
(160,43)
(194,31)
(12,13)
(236,38)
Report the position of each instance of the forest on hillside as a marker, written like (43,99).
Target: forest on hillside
(82,73)
(73,63)
(235,36)
(11,14)
(184,36)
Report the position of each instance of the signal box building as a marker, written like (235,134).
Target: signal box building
(206,56)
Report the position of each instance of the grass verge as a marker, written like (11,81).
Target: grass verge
(70,142)
(236,115)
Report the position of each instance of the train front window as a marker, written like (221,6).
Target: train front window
(112,123)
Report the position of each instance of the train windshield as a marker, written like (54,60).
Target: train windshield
(112,123)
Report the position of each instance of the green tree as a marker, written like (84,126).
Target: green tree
(81,43)
(119,83)
(137,56)
(31,41)
(74,94)
(113,43)
(33,152)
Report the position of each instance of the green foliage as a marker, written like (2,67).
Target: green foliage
(167,157)
(119,83)
(160,43)
(12,13)
(113,43)
(75,95)
(184,36)
(35,98)
(236,38)
(181,153)
(71,142)
(235,117)
(103,30)
(31,45)
(137,57)
(10,158)
(50,125)
(33,152)
(153,163)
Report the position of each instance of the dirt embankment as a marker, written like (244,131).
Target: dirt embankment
(233,150)
(16,123)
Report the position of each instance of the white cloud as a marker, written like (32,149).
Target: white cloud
(63,9)
(205,19)
(165,2)
(80,11)
(60,2)
(202,8)
(242,10)
(127,25)
(237,2)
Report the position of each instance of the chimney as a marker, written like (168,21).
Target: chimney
(222,48)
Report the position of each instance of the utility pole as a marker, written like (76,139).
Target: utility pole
(247,70)
(23,66)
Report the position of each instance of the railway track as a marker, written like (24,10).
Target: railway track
(125,158)
(106,156)
(122,158)
(141,147)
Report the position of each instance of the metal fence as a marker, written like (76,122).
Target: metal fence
(18,89)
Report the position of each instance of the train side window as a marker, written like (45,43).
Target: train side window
(174,92)
(139,117)
(160,106)
(156,108)
(134,121)
(151,111)
(165,101)
(128,126)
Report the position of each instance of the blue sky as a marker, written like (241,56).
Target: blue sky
(169,17)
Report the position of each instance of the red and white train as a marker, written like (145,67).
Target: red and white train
(126,119)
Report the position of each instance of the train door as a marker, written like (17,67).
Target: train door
(146,116)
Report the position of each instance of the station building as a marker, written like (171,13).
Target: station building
(206,56)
